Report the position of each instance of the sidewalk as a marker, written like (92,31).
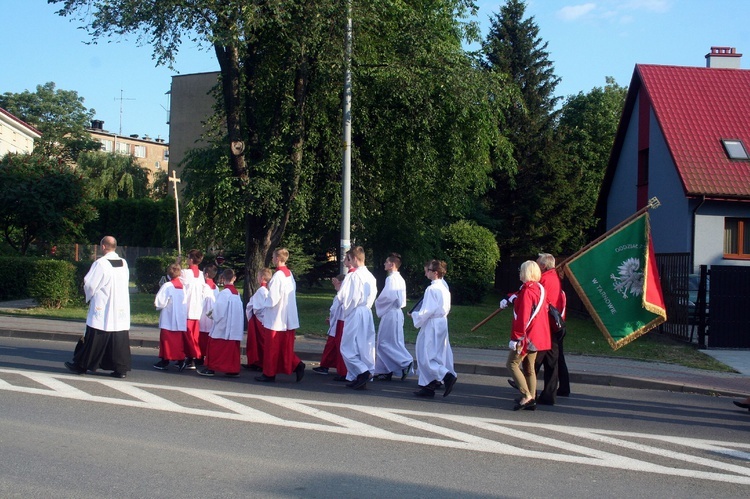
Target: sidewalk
(607,371)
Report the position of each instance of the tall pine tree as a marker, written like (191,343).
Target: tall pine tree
(527,209)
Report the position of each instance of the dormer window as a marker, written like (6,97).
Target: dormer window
(735,149)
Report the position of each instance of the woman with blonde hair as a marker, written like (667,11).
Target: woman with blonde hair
(529,333)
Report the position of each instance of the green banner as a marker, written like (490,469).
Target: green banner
(617,280)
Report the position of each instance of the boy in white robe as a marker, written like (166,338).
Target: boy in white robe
(357,296)
(210,293)
(280,322)
(332,351)
(254,313)
(433,348)
(392,355)
(193,280)
(223,351)
(173,334)
(106,343)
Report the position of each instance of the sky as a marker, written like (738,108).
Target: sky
(587,41)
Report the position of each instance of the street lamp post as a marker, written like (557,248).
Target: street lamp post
(346,187)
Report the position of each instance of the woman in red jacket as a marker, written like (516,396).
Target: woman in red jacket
(529,333)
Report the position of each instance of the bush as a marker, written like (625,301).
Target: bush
(149,270)
(472,254)
(13,275)
(51,283)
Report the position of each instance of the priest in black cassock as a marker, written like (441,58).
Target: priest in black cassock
(106,343)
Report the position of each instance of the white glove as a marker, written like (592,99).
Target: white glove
(503,304)
(512,344)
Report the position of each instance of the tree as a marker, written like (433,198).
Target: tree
(586,131)
(528,207)
(41,200)
(59,115)
(275,164)
(425,138)
(114,176)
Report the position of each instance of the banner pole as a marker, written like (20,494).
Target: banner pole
(652,203)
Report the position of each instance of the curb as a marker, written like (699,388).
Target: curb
(582,378)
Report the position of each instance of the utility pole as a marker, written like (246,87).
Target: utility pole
(346,187)
(175,181)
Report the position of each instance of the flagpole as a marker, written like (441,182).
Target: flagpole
(652,203)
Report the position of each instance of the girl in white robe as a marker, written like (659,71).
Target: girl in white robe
(433,349)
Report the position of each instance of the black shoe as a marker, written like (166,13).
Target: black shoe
(513,384)
(449,380)
(199,362)
(383,377)
(162,365)
(300,371)
(206,372)
(563,394)
(360,382)
(425,392)
(544,401)
(265,379)
(232,375)
(253,367)
(190,365)
(74,368)
(320,370)
(405,372)
(528,406)
(339,378)
(180,365)
(738,404)
(117,374)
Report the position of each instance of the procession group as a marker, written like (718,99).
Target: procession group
(202,327)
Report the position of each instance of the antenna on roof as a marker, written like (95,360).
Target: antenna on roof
(121,99)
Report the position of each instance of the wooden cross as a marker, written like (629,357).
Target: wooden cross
(175,181)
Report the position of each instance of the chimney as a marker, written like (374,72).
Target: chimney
(97,124)
(723,57)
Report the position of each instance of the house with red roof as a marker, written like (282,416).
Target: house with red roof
(684,137)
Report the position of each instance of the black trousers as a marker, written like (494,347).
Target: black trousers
(107,350)
(556,377)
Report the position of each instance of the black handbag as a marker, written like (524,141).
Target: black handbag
(556,323)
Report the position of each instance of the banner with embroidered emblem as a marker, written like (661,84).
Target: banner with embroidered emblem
(618,281)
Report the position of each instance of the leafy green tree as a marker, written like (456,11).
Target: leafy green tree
(41,200)
(59,115)
(425,139)
(587,128)
(424,129)
(113,176)
(528,207)
(160,185)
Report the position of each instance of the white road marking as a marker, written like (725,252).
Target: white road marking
(442,426)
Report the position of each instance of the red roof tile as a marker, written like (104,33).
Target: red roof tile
(696,108)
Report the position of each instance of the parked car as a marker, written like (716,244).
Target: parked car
(693,284)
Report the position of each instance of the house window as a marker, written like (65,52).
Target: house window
(157,165)
(735,149)
(123,148)
(139,151)
(737,238)
(106,145)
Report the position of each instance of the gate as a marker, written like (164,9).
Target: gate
(729,298)
(674,272)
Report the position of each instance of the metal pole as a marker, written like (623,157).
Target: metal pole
(346,187)
(174,181)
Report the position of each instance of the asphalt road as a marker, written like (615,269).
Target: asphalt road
(176,434)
